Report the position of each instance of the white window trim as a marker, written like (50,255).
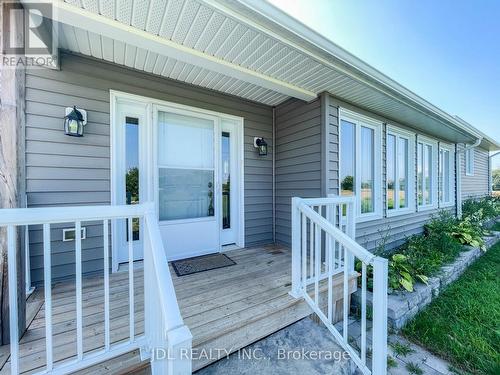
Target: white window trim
(410,136)
(451,167)
(361,120)
(434,173)
(471,162)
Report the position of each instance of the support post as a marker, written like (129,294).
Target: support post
(296,231)
(380,269)
(12,122)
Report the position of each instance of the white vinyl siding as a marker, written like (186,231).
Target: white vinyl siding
(400,171)
(360,163)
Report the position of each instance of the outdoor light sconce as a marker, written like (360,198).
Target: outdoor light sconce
(261,145)
(74,121)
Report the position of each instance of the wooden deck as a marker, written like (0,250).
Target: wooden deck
(224,308)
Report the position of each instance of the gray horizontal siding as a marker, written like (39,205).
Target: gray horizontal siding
(390,231)
(478,184)
(64,170)
(298,159)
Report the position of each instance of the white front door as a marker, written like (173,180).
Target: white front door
(190,162)
(187,172)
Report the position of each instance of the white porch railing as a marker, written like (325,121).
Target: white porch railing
(323,245)
(164,329)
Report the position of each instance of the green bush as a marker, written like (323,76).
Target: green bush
(481,210)
(423,255)
(469,233)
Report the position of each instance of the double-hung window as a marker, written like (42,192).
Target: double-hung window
(400,169)
(426,173)
(360,163)
(446,175)
(469,162)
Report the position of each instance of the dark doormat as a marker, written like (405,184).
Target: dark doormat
(202,263)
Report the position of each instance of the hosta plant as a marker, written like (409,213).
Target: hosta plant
(401,274)
(469,234)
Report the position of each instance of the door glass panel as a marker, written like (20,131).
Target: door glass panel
(347,159)
(132,168)
(185,167)
(367,169)
(226,173)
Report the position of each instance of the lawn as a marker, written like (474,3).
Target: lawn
(462,325)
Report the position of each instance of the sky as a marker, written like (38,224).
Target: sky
(446,51)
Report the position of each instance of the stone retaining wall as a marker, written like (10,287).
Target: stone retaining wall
(402,306)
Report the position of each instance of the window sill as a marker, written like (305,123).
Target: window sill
(368,217)
(446,205)
(406,211)
(427,208)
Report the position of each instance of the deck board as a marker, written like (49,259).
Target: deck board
(215,304)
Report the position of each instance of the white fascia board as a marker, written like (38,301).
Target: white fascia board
(355,67)
(104,26)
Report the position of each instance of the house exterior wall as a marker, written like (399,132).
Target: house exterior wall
(298,158)
(390,231)
(476,185)
(63,170)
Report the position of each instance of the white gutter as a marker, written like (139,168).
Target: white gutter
(353,66)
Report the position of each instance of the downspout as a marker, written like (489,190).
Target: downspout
(274,174)
(458,167)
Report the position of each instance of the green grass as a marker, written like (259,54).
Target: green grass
(462,325)
(496,227)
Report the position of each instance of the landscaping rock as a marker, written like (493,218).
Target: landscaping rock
(402,306)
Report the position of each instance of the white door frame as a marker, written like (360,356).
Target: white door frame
(147,177)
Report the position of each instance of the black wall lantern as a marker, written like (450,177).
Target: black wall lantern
(261,145)
(74,121)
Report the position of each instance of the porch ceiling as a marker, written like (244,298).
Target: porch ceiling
(244,48)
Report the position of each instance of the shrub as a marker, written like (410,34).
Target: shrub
(401,273)
(469,233)
(481,210)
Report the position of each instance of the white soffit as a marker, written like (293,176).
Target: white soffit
(227,46)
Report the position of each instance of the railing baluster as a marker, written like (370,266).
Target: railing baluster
(13,316)
(346,294)
(317,264)
(335,247)
(311,249)
(106,283)
(363,312)
(131,278)
(47,281)
(79,308)
(304,251)
(329,263)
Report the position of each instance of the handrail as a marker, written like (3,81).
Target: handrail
(358,250)
(164,326)
(56,215)
(164,279)
(324,247)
